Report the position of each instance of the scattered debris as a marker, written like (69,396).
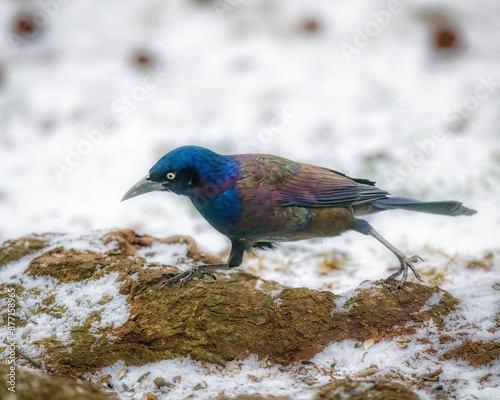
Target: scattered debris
(301,370)
(149,396)
(332,261)
(105,381)
(105,299)
(433,376)
(54,314)
(143,380)
(254,378)
(160,382)
(484,263)
(121,374)
(201,385)
(367,372)
(401,345)
(368,343)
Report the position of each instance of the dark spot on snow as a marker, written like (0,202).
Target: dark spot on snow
(26,27)
(142,59)
(445,38)
(310,25)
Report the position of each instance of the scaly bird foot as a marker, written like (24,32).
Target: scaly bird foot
(199,271)
(406,262)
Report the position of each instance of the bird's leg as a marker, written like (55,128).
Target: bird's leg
(406,262)
(199,271)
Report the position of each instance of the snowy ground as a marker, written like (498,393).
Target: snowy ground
(98,91)
(74,302)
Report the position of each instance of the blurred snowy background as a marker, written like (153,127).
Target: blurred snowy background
(405,93)
(93,93)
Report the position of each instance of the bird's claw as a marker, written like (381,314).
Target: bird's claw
(184,277)
(406,263)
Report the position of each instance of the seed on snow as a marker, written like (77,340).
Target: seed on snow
(121,374)
(201,385)
(368,343)
(143,380)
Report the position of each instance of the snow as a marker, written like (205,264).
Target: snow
(479,310)
(168,254)
(73,301)
(233,379)
(475,318)
(421,122)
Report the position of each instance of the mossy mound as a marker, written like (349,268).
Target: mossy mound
(37,386)
(226,319)
(364,390)
(342,389)
(66,265)
(214,321)
(13,250)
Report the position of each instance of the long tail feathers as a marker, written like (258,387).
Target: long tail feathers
(453,208)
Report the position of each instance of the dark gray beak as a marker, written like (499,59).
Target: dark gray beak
(143,186)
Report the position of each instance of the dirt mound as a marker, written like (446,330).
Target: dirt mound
(213,321)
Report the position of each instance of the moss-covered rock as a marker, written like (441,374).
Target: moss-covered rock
(226,319)
(214,320)
(37,386)
(66,265)
(364,390)
(128,242)
(13,250)
(342,389)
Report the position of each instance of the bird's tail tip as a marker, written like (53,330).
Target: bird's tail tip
(452,208)
(467,211)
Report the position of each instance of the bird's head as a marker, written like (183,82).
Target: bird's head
(180,171)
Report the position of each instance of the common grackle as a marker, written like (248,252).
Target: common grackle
(258,199)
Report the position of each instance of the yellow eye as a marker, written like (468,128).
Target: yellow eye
(170,175)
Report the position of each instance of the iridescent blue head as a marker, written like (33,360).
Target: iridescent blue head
(184,170)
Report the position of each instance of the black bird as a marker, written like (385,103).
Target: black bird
(258,199)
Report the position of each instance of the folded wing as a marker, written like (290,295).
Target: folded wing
(320,187)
